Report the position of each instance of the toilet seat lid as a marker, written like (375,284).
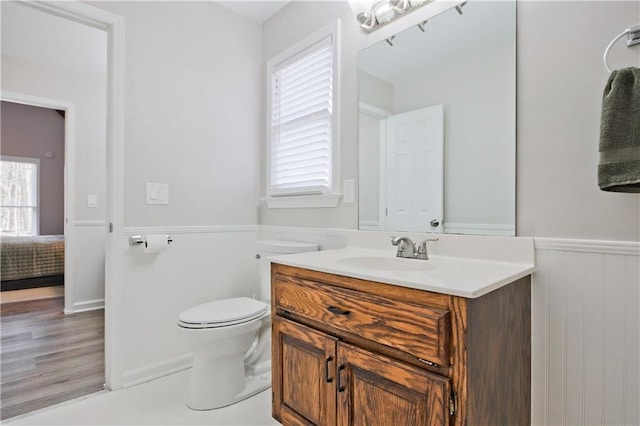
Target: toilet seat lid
(233,310)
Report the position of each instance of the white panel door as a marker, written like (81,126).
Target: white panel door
(415,170)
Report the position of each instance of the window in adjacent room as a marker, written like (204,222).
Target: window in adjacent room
(302,120)
(19,196)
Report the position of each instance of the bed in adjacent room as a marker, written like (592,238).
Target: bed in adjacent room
(29,262)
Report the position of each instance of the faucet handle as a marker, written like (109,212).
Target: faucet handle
(422,249)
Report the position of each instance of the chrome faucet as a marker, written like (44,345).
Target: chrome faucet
(407,248)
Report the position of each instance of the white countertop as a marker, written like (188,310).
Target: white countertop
(456,276)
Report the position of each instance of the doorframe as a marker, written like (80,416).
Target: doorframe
(69,178)
(113,25)
(381,115)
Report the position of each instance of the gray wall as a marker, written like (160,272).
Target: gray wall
(560,81)
(294,22)
(192,120)
(192,79)
(29,131)
(560,78)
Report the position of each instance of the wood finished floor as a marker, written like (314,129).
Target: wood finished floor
(47,357)
(31,294)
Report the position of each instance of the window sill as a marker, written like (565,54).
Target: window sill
(303,201)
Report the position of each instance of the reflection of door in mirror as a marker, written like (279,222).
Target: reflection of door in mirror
(401,169)
(414,170)
(467,64)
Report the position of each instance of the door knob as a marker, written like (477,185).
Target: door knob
(435,223)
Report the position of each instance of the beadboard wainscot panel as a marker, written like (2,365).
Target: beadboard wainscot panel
(585,332)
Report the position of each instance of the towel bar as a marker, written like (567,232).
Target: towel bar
(633,37)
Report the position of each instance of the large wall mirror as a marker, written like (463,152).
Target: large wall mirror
(437,125)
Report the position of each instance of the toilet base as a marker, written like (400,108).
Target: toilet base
(253,386)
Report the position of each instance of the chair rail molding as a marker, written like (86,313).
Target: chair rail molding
(198,229)
(631,248)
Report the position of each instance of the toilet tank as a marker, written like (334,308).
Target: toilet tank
(269,248)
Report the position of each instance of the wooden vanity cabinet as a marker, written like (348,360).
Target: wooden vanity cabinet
(354,352)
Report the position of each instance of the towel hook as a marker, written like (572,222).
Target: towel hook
(634,36)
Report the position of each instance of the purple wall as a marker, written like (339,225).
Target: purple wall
(29,131)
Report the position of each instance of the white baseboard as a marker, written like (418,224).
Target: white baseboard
(156,370)
(89,305)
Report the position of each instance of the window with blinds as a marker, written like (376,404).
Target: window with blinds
(19,196)
(301,136)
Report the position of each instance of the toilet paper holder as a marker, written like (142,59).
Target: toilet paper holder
(137,240)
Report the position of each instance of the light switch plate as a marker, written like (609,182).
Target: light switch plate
(158,193)
(92,201)
(349,191)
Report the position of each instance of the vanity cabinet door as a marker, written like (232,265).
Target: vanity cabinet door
(304,368)
(376,390)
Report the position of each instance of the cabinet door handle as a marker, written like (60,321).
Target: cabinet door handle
(326,370)
(340,387)
(337,311)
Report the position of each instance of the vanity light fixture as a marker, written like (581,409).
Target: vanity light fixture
(373,14)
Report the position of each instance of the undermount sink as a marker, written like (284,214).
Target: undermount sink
(380,263)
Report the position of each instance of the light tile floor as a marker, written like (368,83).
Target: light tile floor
(159,402)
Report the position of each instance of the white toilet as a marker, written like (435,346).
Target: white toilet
(231,339)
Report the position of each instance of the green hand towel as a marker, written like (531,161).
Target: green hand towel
(619,168)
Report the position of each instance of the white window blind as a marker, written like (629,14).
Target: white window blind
(19,196)
(301,123)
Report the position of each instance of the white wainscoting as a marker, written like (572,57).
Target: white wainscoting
(585,332)
(585,312)
(84,290)
(203,263)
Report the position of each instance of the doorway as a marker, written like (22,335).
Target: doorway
(112,25)
(53,345)
(32,199)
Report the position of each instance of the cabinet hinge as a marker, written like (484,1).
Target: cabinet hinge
(432,364)
(453,402)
